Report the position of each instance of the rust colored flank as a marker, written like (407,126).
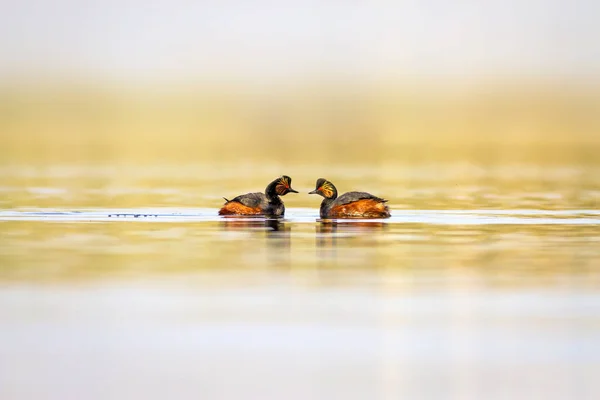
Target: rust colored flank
(235,208)
(369,208)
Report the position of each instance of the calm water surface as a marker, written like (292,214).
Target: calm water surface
(122,282)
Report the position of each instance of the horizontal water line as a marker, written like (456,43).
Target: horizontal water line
(307,215)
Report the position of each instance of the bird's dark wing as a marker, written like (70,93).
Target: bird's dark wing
(351,197)
(252,199)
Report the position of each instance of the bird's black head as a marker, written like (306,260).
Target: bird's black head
(325,188)
(280,186)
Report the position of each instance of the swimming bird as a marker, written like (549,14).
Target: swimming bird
(349,205)
(267,203)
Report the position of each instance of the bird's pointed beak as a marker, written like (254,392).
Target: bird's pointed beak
(313,192)
(292,190)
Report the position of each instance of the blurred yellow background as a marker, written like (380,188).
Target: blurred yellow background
(295,82)
(326,124)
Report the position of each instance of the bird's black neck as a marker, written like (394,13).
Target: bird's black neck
(326,206)
(271,193)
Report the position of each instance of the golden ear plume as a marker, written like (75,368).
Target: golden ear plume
(327,189)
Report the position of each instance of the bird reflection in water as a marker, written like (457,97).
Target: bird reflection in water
(330,233)
(251,223)
(275,231)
